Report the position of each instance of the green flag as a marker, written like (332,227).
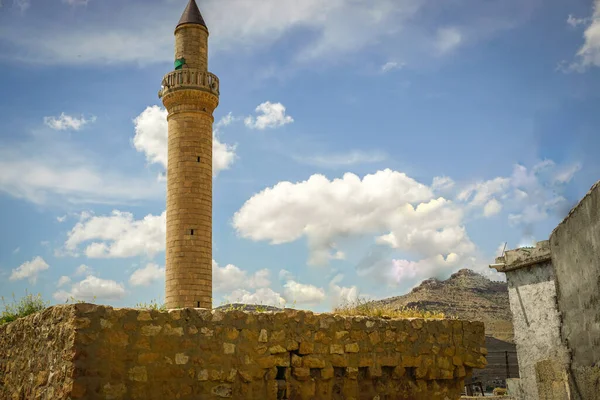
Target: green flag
(179,63)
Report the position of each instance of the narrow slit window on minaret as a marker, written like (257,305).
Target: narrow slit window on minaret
(191,232)
(198,159)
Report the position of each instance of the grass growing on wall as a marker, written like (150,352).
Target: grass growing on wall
(370,309)
(152,305)
(31,304)
(28,305)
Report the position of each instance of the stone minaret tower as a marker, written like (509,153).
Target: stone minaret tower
(190,94)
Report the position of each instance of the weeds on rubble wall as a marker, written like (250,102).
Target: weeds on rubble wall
(153,305)
(28,305)
(31,304)
(368,308)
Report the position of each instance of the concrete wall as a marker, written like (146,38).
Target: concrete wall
(532,294)
(514,388)
(575,248)
(196,353)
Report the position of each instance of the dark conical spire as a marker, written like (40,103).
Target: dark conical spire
(191,15)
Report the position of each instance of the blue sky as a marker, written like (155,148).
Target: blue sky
(360,146)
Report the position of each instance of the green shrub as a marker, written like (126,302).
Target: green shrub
(28,305)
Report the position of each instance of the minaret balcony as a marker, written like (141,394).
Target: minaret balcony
(189,78)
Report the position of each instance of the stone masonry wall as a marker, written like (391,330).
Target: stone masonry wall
(203,354)
(37,355)
(575,248)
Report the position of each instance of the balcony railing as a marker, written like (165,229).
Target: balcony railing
(189,78)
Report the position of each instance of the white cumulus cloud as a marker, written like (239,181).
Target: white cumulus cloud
(530,194)
(442,184)
(342,295)
(303,293)
(118,235)
(29,270)
(271,115)
(83,270)
(324,211)
(589,53)
(92,287)
(64,122)
(262,296)
(147,275)
(478,194)
(391,65)
(492,207)
(63,280)
(230,277)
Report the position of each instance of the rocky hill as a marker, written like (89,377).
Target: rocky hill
(466,295)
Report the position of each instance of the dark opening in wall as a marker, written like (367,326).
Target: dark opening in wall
(191,231)
(315,373)
(198,304)
(339,372)
(281,383)
(387,371)
(363,372)
(198,159)
(281,373)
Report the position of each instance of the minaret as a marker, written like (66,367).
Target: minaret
(190,94)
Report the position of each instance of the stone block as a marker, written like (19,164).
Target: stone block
(312,361)
(306,348)
(352,348)
(336,349)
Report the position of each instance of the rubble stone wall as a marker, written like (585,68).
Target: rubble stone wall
(97,352)
(37,355)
